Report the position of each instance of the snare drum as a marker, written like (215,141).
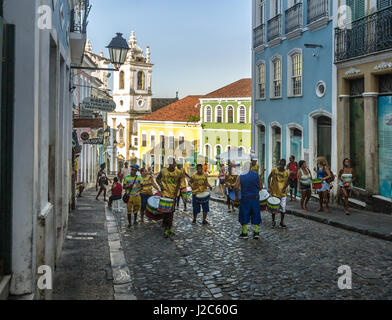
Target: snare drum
(152,208)
(264,195)
(273,205)
(317,183)
(202,197)
(235,203)
(166,205)
(186,195)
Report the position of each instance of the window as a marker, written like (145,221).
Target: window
(208,115)
(140,80)
(162,142)
(181,144)
(136,142)
(262,81)
(230,114)
(242,114)
(144,140)
(152,161)
(219,114)
(295,74)
(162,161)
(277,78)
(121,85)
(171,142)
(260,12)
(275,8)
(152,141)
(121,135)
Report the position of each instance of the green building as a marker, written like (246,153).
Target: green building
(225,116)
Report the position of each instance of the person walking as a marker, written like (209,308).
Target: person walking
(250,185)
(146,191)
(183,185)
(222,175)
(116,192)
(132,184)
(323,173)
(126,171)
(304,179)
(230,180)
(199,184)
(278,181)
(293,180)
(169,180)
(102,181)
(346,178)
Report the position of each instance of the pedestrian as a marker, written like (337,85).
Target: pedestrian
(250,185)
(293,181)
(278,181)
(102,181)
(116,192)
(199,184)
(222,175)
(126,171)
(132,184)
(80,186)
(182,186)
(304,179)
(254,166)
(230,180)
(323,173)
(169,180)
(346,178)
(146,191)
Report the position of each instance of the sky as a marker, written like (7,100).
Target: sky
(197,46)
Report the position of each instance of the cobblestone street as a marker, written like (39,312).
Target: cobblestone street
(211,262)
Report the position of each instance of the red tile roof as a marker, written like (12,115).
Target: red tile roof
(239,89)
(179,111)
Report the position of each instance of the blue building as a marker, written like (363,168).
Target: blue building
(293,80)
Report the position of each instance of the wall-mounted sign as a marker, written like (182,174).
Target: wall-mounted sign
(94,141)
(92,123)
(84,136)
(98,104)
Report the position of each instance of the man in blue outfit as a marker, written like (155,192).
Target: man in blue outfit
(250,184)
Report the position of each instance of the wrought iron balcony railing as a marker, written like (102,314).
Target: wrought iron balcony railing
(79,16)
(317,9)
(274,27)
(294,17)
(259,36)
(364,36)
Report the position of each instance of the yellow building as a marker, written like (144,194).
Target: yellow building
(173,130)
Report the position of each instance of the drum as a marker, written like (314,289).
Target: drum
(152,212)
(165,205)
(273,205)
(235,203)
(203,197)
(317,183)
(186,195)
(264,195)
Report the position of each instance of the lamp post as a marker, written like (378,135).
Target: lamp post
(118,49)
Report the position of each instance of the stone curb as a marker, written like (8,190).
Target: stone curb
(336,224)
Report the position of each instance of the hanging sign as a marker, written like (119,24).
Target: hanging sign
(98,104)
(84,136)
(94,141)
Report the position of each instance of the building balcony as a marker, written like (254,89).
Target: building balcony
(259,36)
(274,28)
(78,28)
(317,11)
(364,36)
(294,18)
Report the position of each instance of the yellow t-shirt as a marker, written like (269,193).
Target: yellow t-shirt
(230,180)
(199,183)
(147,185)
(169,182)
(255,168)
(279,180)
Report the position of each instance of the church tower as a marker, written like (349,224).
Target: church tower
(133,97)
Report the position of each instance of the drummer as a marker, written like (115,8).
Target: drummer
(146,191)
(230,181)
(250,184)
(182,186)
(199,184)
(169,180)
(278,181)
(132,185)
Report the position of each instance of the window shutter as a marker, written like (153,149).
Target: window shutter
(381,4)
(357,8)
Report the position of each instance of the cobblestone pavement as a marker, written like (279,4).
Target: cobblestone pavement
(211,262)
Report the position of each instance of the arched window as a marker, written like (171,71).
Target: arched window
(294,70)
(152,140)
(242,114)
(230,114)
(208,115)
(121,85)
(140,80)
(219,114)
(276,79)
(261,81)
(121,135)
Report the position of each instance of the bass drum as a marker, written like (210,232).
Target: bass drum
(152,212)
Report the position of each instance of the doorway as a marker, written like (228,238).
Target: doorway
(324,131)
